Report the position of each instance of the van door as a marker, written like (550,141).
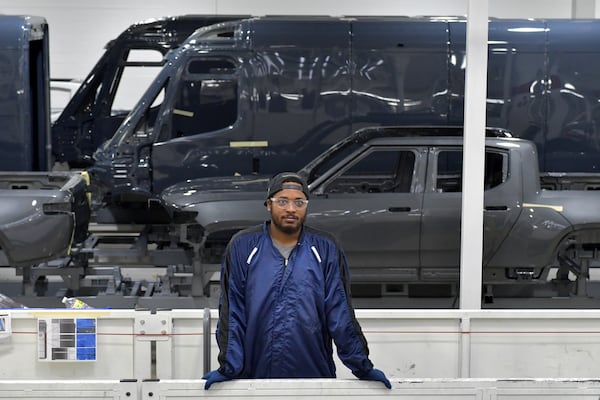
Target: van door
(270,109)
(204,113)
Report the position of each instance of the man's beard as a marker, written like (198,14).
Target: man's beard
(289,229)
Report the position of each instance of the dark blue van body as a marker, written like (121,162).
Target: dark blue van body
(24,94)
(266,94)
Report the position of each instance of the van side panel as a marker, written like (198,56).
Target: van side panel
(302,86)
(516,76)
(15,126)
(572,141)
(24,93)
(400,72)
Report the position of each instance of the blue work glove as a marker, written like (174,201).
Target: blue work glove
(213,377)
(377,375)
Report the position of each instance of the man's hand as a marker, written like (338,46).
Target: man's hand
(377,375)
(213,377)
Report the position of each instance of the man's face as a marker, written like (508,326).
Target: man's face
(287,218)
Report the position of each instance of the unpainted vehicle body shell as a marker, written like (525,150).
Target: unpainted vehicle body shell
(43,214)
(267,94)
(97,109)
(393,196)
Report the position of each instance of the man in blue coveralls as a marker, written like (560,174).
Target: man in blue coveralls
(285,295)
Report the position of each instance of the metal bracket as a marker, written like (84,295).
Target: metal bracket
(153,327)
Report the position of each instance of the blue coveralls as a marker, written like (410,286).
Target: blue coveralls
(278,320)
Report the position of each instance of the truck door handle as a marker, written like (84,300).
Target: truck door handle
(496,208)
(399,209)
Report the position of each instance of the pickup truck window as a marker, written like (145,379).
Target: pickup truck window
(207,98)
(379,171)
(449,170)
(327,163)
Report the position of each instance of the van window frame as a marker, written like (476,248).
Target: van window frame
(186,76)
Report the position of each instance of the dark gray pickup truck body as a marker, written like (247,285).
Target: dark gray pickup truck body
(393,198)
(42,214)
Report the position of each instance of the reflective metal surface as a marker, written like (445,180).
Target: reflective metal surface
(304,83)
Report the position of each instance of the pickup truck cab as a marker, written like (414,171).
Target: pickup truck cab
(392,196)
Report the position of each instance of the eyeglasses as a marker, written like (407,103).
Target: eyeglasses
(283,202)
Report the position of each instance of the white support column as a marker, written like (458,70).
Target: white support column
(474,155)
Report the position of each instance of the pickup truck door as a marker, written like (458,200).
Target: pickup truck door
(440,230)
(373,206)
